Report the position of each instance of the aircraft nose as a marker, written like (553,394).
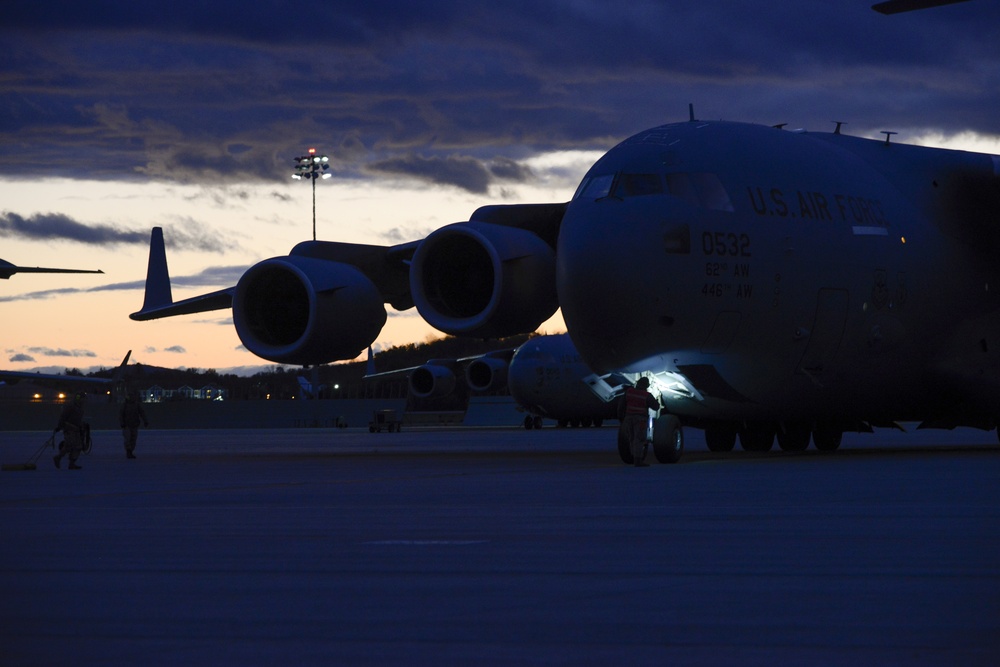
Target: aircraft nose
(597,278)
(613,277)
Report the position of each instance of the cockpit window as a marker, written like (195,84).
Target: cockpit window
(681,186)
(638,185)
(595,187)
(700,189)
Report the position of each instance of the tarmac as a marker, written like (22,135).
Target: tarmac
(459,546)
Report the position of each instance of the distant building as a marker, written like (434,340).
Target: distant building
(210,392)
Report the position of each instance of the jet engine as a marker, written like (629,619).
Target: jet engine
(486,374)
(301,310)
(485,280)
(432,380)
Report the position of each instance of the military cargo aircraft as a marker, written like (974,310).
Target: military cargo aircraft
(770,283)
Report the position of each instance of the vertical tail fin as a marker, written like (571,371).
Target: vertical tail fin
(157,276)
(370,368)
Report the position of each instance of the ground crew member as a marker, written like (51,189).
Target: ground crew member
(129,417)
(633,413)
(71,424)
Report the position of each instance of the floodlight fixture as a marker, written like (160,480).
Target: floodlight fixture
(310,167)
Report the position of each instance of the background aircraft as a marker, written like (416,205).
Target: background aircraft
(7,270)
(112,386)
(545,376)
(769,282)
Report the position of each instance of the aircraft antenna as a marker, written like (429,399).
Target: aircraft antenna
(888,134)
(691,111)
(839,124)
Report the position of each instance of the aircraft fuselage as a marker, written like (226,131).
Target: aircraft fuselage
(768,274)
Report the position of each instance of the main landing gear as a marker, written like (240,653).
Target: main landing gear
(666,435)
(760,436)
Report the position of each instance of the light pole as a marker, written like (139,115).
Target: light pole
(310,167)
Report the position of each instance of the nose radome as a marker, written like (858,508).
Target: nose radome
(596,279)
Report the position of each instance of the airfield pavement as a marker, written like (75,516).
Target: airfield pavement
(498,547)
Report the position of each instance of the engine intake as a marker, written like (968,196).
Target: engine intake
(432,380)
(485,280)
(301,310)
(486,374)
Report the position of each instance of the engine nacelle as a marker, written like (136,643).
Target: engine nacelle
(484,280)
(303,311)
(432,380)
(486,374)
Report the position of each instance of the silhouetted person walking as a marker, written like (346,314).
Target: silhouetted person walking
(71,424)
(129,417)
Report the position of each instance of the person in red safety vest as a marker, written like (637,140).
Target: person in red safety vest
(633,412)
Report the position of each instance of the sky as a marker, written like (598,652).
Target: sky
(119,116)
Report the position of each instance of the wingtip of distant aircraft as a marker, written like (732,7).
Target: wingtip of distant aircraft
(899,6)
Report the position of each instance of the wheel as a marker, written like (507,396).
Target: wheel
(668,439)
(794,437)
(88,443)
(757,437)
(624,447)
(371,428)
(529,422)
(827,439)
(598,423)
(538,422)
(720,438)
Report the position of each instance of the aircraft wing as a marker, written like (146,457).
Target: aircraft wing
(13,377)
(439,377)
(492,276)
(7,270)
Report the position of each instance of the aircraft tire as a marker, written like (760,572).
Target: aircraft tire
(529,423)
(624,447)
(668,439)
(794,437)
(827,440)
(538,422)
(720,438)
(757,437)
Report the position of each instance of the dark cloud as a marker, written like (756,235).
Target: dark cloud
(178,349)
(55,226)
(60,352)
(464,172)
(454,92)
(59,227)
(21,357)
